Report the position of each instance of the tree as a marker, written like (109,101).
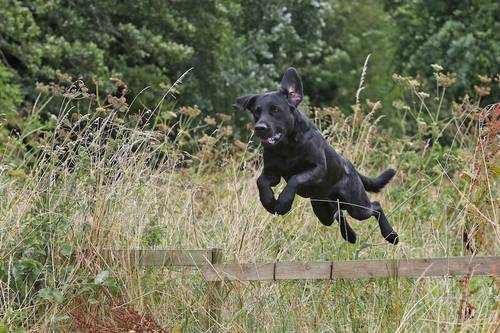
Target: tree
(461,36)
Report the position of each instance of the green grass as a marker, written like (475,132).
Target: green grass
(56,214)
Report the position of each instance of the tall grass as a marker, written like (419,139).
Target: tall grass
(121,187)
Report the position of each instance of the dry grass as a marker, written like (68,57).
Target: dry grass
(109,194)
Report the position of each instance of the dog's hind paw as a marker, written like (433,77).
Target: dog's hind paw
(392,238)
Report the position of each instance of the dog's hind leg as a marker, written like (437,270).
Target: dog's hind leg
(326,212)
(345,229)
(385,227)
(363,212)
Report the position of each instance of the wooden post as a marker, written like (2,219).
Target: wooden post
(214,294)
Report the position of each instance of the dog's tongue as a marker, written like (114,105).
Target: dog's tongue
(272,139)
(269,140)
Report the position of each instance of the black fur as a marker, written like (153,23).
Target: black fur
(295,150)
(376,184)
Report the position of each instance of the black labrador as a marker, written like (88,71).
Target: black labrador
(295,150)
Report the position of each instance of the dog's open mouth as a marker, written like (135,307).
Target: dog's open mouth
(272,140)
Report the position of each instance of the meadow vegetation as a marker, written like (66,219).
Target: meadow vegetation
(99,182)
(117,132)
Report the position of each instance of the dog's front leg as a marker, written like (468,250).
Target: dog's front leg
(265,181)
(309,177)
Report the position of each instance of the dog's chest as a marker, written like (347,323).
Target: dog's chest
(287,165)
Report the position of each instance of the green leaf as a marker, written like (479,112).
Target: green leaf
(51,295)
(58,295)
(46,294)
(66,250)
(101,278)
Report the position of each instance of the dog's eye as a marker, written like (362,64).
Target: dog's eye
(256,112)
(275,109)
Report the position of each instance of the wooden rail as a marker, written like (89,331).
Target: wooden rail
(160,258)
(210,264)
(412,268)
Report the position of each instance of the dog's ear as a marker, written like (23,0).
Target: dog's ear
(244,102)
(291,86)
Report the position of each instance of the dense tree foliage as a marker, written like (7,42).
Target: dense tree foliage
(238,46)
(461,36)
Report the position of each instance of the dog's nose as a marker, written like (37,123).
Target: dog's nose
(260,127)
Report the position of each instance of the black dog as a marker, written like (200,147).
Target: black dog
(295,150)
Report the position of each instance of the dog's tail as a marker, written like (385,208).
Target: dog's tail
(376,184)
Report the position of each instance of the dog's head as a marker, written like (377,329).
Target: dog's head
(275,113)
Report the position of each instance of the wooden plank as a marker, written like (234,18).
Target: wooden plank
(159,258)
(354,269)
(303,270)
(444,266)
(235,272)
(416,267)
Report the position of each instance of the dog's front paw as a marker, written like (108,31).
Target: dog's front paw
(283,208)
(283,205)
(269,205)
(268,201)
